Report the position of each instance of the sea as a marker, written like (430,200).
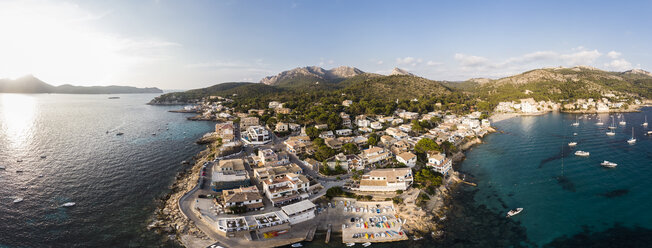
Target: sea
(114,180)
(568,201)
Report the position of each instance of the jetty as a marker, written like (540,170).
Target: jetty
(311,234)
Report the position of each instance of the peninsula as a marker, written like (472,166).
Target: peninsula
(31,84)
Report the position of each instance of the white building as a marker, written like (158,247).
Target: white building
(376,125)
(407,158)
(374,155)
(343,132)
(300,211)
(286,189)
(362,123)
(281,127)
(275,104)
(386,180)
(257,135)
(438,162)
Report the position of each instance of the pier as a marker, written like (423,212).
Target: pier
(328,234)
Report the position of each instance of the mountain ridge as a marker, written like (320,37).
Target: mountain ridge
(31,84)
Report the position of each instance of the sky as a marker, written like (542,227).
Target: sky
(193,44)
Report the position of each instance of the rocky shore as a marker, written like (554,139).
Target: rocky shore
(168,218)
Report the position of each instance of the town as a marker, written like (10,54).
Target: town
(267,180)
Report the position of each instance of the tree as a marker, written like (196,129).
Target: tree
(312,132)
(373,139)
(424,145)
(350,148)
(449,147)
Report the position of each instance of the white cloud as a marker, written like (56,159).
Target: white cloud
(412,61)
(470,60)
(433,63)
(614,54)
(379,62)
(619,65)
(582,57)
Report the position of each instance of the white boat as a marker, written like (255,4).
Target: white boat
(576,123)
(68,204)
(608,164)
(574,134)
(572,144)
(18,199)
(645,123)
(297,245)
(582,153)
(632,140)
(514,212)
(599,123)
(623,122)
(612,127)
(366,244)
(350,244)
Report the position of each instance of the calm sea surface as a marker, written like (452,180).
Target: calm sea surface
(579,205)
(113,179)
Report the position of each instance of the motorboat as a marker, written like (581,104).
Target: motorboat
(119,133)
(576,123)
(297,245)
(582,153)
(514,212)
(350,244)
(611,133)
(608,164)
(43,156)
(366,244)
(572,143)
(18,199)
(68,204)
(19,160)
(574,134)
(631,140)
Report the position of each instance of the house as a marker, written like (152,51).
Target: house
(407,158)
(286,189)
(397,121)
(343,132)
(281,127)
(439,163)
(321,126)
(295,147)
(282,110)
(294,127)
(248,122)
(347,103)
(225,131)
(333,143)
(385,180)
(247,196)
(347,162)
(409,115)
(275,104)
(300,211)
(312,164)
(262,224)
(405,128)
(265,173)
(376,125)
(327,134)
(365,130)
(374,155)
(229,179)
(267,157)
(230,165)
(400,146)
(257,135)
(387,140)
(362,122)
(346,122)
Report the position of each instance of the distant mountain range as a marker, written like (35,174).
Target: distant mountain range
(545,84)
(31,84)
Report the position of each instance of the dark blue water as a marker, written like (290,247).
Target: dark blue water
(113,179)
(523,168)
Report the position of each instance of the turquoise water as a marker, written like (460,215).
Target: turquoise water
(113,179)
(522,167)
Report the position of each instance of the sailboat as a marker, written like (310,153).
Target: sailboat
(645,123)
(599,123)
(576,123)
(623,122)
(632,140)
(612,127)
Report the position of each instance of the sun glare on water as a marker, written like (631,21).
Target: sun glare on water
(17,113)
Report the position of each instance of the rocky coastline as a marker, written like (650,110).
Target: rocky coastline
(168,218)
